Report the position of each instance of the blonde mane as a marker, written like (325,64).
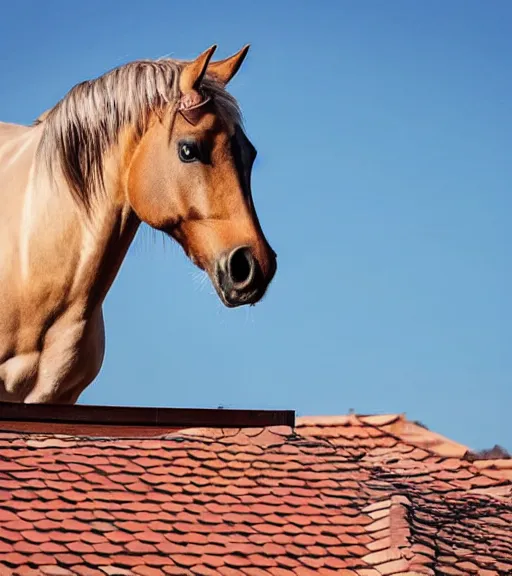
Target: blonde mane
(80,128)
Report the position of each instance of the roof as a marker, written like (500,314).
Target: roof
(351,495)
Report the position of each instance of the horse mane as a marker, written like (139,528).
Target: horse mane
(82,126)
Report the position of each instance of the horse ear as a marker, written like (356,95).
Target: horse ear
(224,70)
(193,72)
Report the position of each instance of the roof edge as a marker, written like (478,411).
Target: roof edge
(23,415)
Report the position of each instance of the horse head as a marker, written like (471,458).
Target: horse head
(190,176)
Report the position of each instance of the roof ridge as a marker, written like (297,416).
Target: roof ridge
(417,435)
(440,445)
(343,419)
(411,433)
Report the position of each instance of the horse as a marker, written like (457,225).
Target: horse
(156,141)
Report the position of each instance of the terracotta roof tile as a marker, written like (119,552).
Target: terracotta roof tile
(356,495)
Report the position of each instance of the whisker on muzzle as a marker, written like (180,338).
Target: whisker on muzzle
(200,279)
(249,315)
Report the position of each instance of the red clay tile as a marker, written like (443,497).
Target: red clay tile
(131,526)
(87,571)
(21,571)
(171,548)
(333,561)
(29,515)
(74,526)
(55,571)
(158,560)
(304,571)
(80,468)
(7,515)
(40,559)
(35,536)
(25,547)
(10,535)
(118,536)
(210,549)
(68,559)
(150,537)
(45,524)
(251,571)
(227,571)
(146,571)
(18,525)
(313,562)
(12,559)
(140,547)
(202,539)
(93,538)
(72,496)
(187,560)
(107,548)
(271,549)
(174,571)
(299,507)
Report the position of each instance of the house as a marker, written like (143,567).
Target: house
(116,491)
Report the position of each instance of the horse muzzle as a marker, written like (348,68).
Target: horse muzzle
(239,279)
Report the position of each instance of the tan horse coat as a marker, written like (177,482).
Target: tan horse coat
(57,262)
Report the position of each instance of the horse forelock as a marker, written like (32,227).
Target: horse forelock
(87,122)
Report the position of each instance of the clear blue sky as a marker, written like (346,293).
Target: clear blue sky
(383,181)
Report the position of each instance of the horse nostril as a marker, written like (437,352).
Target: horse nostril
(241,267)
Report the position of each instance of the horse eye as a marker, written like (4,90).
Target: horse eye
(188,152)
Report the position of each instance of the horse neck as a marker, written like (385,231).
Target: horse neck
(87,245)
(108,241)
